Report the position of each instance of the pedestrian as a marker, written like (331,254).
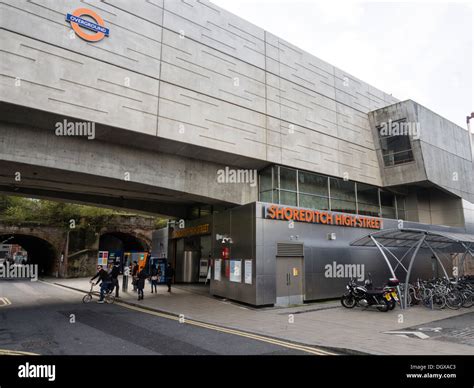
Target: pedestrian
(154,280)
(134,275)
(141,277)
(126,274)
(114,273)
(102,276)
(169,273)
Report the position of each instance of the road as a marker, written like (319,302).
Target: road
(40,318)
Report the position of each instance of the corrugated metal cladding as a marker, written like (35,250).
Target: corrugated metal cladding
(286,249)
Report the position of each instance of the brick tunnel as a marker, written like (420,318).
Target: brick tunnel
(40,251)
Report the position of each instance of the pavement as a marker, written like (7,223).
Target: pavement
(42,318)
(327,325)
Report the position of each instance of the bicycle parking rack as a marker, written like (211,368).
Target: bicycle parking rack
(414,240)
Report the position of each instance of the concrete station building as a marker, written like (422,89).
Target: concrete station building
(275,160)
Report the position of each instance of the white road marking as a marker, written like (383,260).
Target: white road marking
(414,333)
(5,302)
(435,329)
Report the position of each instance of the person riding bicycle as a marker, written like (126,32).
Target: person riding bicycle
(103,277)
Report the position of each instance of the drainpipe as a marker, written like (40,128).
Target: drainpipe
(470,134)
(64,256)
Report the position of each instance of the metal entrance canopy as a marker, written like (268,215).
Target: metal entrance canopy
(414,239)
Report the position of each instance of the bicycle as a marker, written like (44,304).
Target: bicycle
(109,297)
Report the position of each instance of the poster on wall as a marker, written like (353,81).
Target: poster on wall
(248,272)
(217,269)
(235,271)
(103,257)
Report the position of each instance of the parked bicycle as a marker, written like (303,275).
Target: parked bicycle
(440,293)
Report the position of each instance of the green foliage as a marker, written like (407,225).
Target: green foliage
(160,223)
(19,210)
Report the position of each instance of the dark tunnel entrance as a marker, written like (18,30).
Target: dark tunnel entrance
(124,242)
(121,247)
(39,251)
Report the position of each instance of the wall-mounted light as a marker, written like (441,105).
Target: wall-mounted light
(224,239)
(331,236)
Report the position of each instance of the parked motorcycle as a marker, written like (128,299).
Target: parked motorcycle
(389,288)
(357,295)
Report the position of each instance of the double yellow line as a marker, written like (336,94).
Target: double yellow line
(6,352)
(5,301)
(288,345)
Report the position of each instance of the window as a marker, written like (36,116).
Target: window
(287,179)
(395,143)
(313,191)
(266,180)
(368,200)
(387,201)
(266,196)
(288,198)
(401,214)
(314,202)
(291,187)
(313,184)
(342,196)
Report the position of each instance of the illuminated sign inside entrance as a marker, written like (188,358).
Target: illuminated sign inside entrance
(78,23)
(191,231)
(276,212)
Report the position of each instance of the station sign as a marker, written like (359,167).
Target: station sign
(191,231)
(78,23)
(286,213)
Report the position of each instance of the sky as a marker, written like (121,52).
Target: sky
(413,50)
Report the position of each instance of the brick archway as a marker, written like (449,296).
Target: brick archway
(41,251)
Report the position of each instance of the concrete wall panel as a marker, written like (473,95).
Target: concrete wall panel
(206,23)
(135,30)
(190,117)
(49,78)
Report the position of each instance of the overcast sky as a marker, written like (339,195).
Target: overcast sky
(422,51)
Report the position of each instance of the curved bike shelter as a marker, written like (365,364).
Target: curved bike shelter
(414,239)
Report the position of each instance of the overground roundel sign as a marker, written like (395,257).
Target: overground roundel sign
(78,23)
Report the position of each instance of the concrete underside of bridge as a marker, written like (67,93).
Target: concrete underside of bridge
(118,169)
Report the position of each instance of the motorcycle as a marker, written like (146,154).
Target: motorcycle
(357,295)
(390,288)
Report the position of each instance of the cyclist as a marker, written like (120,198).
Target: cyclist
(103,277)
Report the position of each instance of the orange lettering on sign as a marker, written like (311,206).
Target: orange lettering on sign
(322,217)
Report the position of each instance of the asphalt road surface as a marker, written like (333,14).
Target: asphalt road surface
(39,318)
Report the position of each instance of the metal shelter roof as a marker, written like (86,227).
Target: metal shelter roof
(405,238)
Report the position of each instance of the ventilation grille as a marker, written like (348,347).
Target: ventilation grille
(287,249)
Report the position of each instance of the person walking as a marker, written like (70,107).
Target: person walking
(126,274)
(114,273)
(141,277)
(154,280)
(169,273)
(134,275)
(102,276)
